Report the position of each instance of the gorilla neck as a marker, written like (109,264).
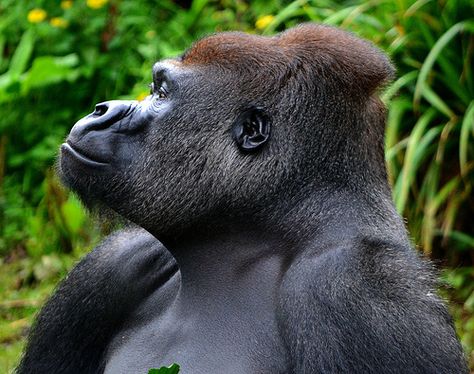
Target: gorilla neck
(229,266)
(232,259)
(333,214)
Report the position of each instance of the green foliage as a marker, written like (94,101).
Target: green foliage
(462,281)
(60,59)
(173,369)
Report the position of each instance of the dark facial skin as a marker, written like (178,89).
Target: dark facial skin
(258,163)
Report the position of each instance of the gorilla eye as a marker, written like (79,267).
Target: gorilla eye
(161,93)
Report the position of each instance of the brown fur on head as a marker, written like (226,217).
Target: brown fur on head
(355,63)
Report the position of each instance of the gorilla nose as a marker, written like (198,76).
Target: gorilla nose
(109,112)
(105,115)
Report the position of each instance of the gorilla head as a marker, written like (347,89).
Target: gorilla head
(238,129)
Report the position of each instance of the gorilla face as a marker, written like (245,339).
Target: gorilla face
(176,156)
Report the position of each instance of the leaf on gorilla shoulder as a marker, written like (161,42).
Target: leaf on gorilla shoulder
(173,369)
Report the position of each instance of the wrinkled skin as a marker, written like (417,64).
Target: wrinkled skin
(266,240)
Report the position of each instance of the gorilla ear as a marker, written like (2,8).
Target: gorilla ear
(251,129)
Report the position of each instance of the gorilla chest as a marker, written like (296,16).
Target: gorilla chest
(199,344)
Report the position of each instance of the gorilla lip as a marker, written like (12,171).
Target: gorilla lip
(67,148)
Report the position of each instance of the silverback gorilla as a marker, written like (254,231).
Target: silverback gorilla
(258,163)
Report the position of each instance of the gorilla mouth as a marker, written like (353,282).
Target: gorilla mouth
(79,155)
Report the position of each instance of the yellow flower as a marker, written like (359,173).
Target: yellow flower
(264,21)
(142,95)
(59,22)
(36,15)
(96,4)
(66,4)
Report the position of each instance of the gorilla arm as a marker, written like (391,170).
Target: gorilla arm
(89,305)
(367,308)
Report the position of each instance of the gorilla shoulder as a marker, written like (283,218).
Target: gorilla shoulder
(105,287)
(380,299)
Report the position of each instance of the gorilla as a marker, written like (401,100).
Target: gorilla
(264,237)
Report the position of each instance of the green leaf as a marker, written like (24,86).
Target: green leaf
(73,214)
(48,70)
(173,369)
(22,54)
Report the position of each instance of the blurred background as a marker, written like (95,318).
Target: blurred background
(59,58)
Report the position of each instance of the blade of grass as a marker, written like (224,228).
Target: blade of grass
(466,126)
(286,13)
(358,10)
(415,7)
(339,16)
(466,241)
(2,47)
(428,192)
(452,81)
(442,195)
(398,43)
(393,151)
(427,140)
(443,140)
(398,107)
(433,55)
(450,213)
(467,71)
(407,175)
(426,27)
(194,12)
(398,84)
(319,10)
(434,99)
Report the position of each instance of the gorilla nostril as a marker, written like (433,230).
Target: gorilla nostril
(100,109)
